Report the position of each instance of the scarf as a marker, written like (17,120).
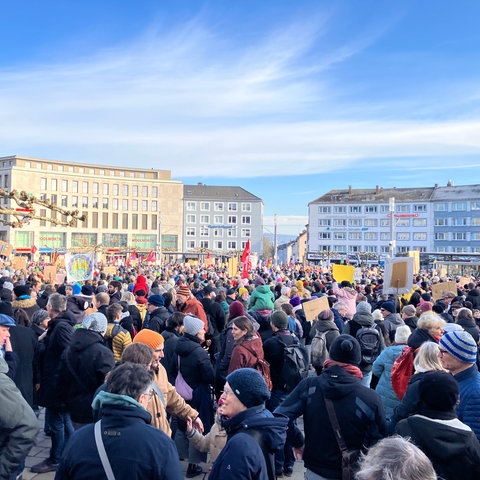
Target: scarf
(351,369)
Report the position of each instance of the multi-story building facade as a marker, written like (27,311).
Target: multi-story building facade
(220,220)
(352,222)
(456,217)
(127,208)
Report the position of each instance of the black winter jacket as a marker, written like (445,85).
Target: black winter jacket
(84,365)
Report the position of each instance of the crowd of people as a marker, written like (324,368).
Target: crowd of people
(150,366)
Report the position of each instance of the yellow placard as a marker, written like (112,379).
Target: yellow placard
(343,272)
(110,270)
(232,267)
(416,260)
(313,307)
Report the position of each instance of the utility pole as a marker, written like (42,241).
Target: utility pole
(275,240)
(391,208)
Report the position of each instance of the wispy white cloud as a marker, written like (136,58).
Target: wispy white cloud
(189,100)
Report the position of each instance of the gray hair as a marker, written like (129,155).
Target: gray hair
(129,379)
(285,291)
(339,305)
(395,458)
(58,302)
(426,358)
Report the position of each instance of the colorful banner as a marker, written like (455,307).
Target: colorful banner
(79,266)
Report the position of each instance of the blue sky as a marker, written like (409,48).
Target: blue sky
(287,99)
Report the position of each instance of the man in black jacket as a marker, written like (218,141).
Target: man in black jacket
(216,318)
(359,410)
(57,338)
(85,363)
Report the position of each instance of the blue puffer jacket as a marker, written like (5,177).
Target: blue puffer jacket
(382,368)
(135,449)
(242,457)
(468,409)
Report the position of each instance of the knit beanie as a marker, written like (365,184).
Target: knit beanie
(241,291)
(402,333)
(346,349)
(156,300)
(96,322)
(439,391)
(259,281)
(409,310)
(149,337)
(364,307)
(236,309)
(192,325)
(22,291)
(389,306)
(280,319)
(295,301)
(461,345)
(76,288)
(87,290)
(183,290)
(425,306)
(248,386)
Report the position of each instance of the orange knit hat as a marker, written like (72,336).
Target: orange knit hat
(149,337)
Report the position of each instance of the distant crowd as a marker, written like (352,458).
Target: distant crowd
(151,365)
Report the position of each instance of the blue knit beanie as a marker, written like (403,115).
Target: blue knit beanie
(461,345)
(248,386)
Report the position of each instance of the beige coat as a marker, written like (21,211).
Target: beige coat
(213,442)
(174,404)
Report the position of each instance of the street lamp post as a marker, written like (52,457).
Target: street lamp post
(391,208)
(159,238)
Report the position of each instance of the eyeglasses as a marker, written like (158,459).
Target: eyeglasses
(227,392)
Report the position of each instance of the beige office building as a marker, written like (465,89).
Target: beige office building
(127,208)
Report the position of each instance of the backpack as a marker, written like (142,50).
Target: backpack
(115,331)
(263,367)
(295,364)
(402,371)
(369,340)
(319,351)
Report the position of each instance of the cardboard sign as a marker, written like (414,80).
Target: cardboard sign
(343,272)
(50,274)
(415,254)
(59,278)
(110,270)
(462,281)
(438,289)
(19,263)
(232,267)
(398,277)
(313,307)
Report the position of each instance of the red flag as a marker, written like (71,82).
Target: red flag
(245,259)
(151,256)
(208,255)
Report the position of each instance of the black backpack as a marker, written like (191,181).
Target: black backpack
(369,340)
(296,363)
(115,331)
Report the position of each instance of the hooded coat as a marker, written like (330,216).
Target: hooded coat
(18,425)
(359,411)
(391,322)
(242,458)
(135,449)
(246,354)
(85,363)
(262,298)
(450,444)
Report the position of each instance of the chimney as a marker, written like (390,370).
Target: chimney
(377,189)
(349,189)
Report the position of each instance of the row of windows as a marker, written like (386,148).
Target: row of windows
(399,208)
(458,249)
(83,170)
(359,249)
(219,219)
(94,188)
(216,232)
(94,202)
(456,206)
(372,236)
(191,206)
(216,245)
(458,236)
(122,221)
(457,222)
(371,222)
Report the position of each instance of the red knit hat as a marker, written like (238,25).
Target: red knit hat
(236,309)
